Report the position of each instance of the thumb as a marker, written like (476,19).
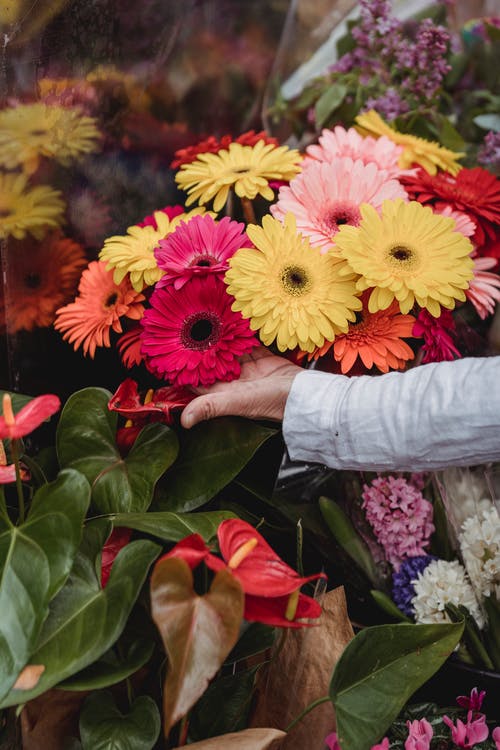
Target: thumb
(205,407)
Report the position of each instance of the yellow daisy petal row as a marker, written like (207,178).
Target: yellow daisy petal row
(24,209)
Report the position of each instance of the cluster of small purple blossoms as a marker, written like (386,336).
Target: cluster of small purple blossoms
(400,516)
(489,153)
(390,104)
(403,590)
(426,60)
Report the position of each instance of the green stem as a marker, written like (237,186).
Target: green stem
(14,448)
(306,710)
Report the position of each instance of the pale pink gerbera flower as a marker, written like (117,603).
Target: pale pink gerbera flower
(199,247)
(327,195)
(463,223)
(340,142)
(193,337)
(484,289)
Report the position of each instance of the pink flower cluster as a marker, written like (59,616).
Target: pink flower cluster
(400,516)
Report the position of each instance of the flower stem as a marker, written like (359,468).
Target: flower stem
(306,710)
(14,448)
(248,211)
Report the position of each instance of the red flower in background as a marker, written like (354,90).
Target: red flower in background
(212,146)
(271,587)
(28,418)
(438,345)
(157,406)
(119,538)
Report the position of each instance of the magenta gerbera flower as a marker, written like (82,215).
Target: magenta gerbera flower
(327,195)
(192,337)
(199,247)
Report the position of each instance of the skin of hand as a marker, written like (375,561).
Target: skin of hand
(260,392)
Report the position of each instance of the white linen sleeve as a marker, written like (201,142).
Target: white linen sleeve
(433,416)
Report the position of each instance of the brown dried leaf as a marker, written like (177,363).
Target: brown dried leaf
(300,673)
(248,739)
(28,678)
(49,720)
(198,632)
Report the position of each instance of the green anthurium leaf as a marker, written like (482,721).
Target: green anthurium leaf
(234,692)
(492,632)
(104,727)
(346,535)
(35,560)
(386,603)
(86,441)
(379,671)
(328,102)
(255,639)
(110,668)
(84,620)
(198,632)
(212,453)
(172,527)
(18,400)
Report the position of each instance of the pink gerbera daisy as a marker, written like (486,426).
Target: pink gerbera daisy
(339,142)
(463,223)
(327,195)
(484,289)
(193,337)
(438,345)
(199,247)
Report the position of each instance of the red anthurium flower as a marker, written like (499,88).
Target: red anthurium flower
(192,550)
(157,406)
(118,539)
(254,563)
(28,418)
(8,471)
(282,611)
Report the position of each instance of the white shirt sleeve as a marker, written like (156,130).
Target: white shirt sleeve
(433,416)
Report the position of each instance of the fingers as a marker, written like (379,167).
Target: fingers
(206,407)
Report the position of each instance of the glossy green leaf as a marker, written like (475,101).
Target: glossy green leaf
(211,455)
(387,605)
(104,727)
(172,527)
(255,639)
(379,671)
(346,535)
(492,633)
(328,103)
(234,692)
(18,400)
(86,441)
(197,632)
(84,620)
(35,560)
(110,668)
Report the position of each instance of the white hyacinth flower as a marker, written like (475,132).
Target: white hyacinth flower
(442,583)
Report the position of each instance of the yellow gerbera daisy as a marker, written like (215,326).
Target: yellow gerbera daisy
(109,76)
(290,291)
(133,253)
(23,209)
(429,154)
(247,169)
(30,131)
(408,253)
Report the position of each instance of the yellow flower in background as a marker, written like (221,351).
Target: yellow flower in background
(133,253)
(408,253)
(429,154)
(110,77)
(30,131)
(247,169)
(28,209)
(290,291)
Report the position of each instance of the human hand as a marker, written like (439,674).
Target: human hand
(260,392)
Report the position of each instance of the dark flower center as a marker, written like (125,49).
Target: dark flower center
(203,261)
(112,299)
(340,213)
(200,331)
(295,280)
(32,280)
(4,212)
(402,253)
(38,131)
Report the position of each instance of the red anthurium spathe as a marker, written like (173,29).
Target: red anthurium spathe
(157,406)
(118,539)
(294,611)
(28,418)
(255,564)
(192,550)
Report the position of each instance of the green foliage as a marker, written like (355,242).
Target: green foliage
(104,727)
(379,671)
(111,668)
(172,527)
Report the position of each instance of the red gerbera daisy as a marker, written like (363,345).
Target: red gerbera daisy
(212,146)
(171,211)
(476,192)
(198,247)
(101,303)
(193,337)
(438,345)
(129,346)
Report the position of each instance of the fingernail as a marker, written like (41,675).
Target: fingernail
(187,421)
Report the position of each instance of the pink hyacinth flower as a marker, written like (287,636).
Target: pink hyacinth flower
(469,734)
(419,735)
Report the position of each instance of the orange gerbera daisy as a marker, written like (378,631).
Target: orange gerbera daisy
(40,278)
(376,339)
(97,310)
